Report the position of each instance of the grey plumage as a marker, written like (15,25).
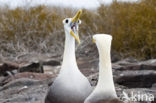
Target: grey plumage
(62,92)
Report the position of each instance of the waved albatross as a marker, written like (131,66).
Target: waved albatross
(104,92)
(70,86)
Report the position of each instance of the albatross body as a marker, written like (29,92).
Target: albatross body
(104,92)
(71,86)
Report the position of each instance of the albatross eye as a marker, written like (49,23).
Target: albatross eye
(66,21)
(79,21)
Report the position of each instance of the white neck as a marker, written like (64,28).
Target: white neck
(69,59)
(105,82)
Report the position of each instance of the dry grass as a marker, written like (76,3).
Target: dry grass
(133,26)
(37,29)
(40,30)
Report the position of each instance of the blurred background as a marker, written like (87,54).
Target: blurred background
(36,26)
(32,42)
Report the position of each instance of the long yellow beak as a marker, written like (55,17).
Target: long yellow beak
(77,38)
(77,16)
(74,21)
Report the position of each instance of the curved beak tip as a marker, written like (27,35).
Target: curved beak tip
(80,11)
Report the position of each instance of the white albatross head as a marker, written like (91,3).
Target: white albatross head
(102,38)
(103,41)
(71,25)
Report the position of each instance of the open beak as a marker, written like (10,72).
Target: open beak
(74,26)
(75,36)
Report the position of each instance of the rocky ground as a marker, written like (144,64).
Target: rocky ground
(28,81)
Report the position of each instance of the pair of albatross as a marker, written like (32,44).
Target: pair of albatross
(71,86)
